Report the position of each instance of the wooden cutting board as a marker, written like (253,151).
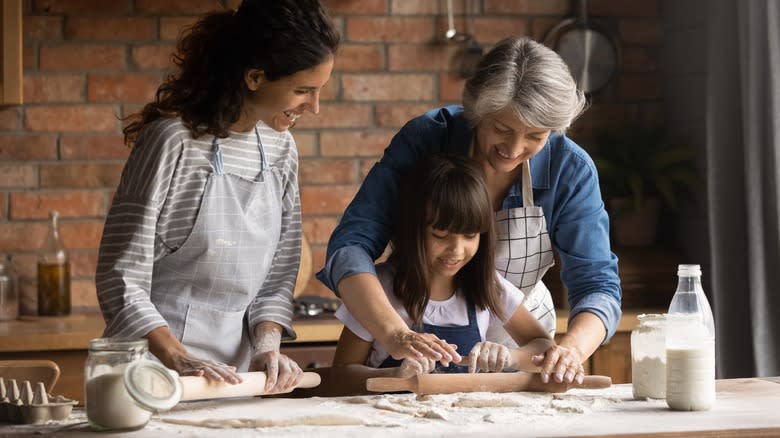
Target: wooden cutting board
(480,382)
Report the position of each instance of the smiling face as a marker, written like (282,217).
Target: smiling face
(279,103)
(504,142)
(448,252)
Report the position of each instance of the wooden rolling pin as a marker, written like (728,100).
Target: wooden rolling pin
(480,382)
(253,384)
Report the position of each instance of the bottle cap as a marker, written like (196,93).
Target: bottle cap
(153,386)
(689,270)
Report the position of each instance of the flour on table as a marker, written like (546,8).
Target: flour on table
(306,420)
(347,415)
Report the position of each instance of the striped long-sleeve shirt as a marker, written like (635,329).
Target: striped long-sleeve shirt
(154,210)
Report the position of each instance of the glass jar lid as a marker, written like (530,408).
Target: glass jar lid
(652,319)
(140,346)
(152,385)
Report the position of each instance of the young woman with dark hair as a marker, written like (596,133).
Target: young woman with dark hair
(201,244)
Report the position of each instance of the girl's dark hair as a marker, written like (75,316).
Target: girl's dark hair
(448,193)
(207,90)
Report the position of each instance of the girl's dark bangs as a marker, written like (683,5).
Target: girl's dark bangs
(459,211)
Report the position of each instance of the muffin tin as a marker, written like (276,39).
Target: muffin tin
(31,404)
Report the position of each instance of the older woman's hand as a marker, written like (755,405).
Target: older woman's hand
(564,364)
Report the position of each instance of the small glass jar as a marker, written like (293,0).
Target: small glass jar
(108,404)
(122,388)
(648,356)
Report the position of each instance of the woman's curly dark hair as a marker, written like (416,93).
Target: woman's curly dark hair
(207,90)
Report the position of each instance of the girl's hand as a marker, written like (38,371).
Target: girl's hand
(282,374)
(488,357)
(410,344)
(415,366)
(187,365)
(564,364)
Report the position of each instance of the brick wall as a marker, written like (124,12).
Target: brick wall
(89,62)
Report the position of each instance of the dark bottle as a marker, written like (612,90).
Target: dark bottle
(53,273)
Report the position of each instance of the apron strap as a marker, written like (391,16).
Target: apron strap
(528,191)
(217,151)
(219,163)
(263,162)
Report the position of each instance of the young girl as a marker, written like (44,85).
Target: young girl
(442,280)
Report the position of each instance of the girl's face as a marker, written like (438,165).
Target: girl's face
(503,142)
(281,102)
(448,252)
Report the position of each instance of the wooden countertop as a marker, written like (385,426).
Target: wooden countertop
(74,332)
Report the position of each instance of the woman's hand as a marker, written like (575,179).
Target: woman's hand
(282,374)
(564,364)
(410,344)
(488,357)
(187,365)
(175,356)
(411,367)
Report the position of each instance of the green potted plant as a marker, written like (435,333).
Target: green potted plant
(641,171)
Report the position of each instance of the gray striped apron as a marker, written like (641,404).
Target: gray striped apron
(523,256)
(204,288)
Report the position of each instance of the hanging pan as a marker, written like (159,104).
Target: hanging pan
(589,50)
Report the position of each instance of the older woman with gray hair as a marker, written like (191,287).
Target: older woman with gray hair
(544,191)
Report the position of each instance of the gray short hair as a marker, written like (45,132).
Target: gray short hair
(529,77)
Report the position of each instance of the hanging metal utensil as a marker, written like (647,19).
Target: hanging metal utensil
(452,34)
(589,50)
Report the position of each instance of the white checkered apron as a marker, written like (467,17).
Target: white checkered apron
(524,253)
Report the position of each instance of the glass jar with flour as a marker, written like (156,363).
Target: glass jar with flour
(123,388)
(690,345)
(648,356)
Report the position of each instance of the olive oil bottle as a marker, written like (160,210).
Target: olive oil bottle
(53,273)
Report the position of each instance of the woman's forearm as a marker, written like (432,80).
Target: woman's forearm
(164,346)
(584,334)
(366,301)
(268,336)
(520,358)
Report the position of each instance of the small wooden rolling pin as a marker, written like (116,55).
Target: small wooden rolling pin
(253,384)
(480,382)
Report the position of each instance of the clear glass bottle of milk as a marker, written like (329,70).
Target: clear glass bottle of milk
(690,345)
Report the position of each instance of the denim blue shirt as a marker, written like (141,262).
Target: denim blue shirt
(565,185)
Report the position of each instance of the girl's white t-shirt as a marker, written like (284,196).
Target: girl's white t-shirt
(448,313)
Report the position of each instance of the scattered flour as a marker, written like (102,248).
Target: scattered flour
(466,410)
(306,420)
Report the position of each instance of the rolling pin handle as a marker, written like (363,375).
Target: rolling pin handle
(310,380)
(391,384)
(595,382)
